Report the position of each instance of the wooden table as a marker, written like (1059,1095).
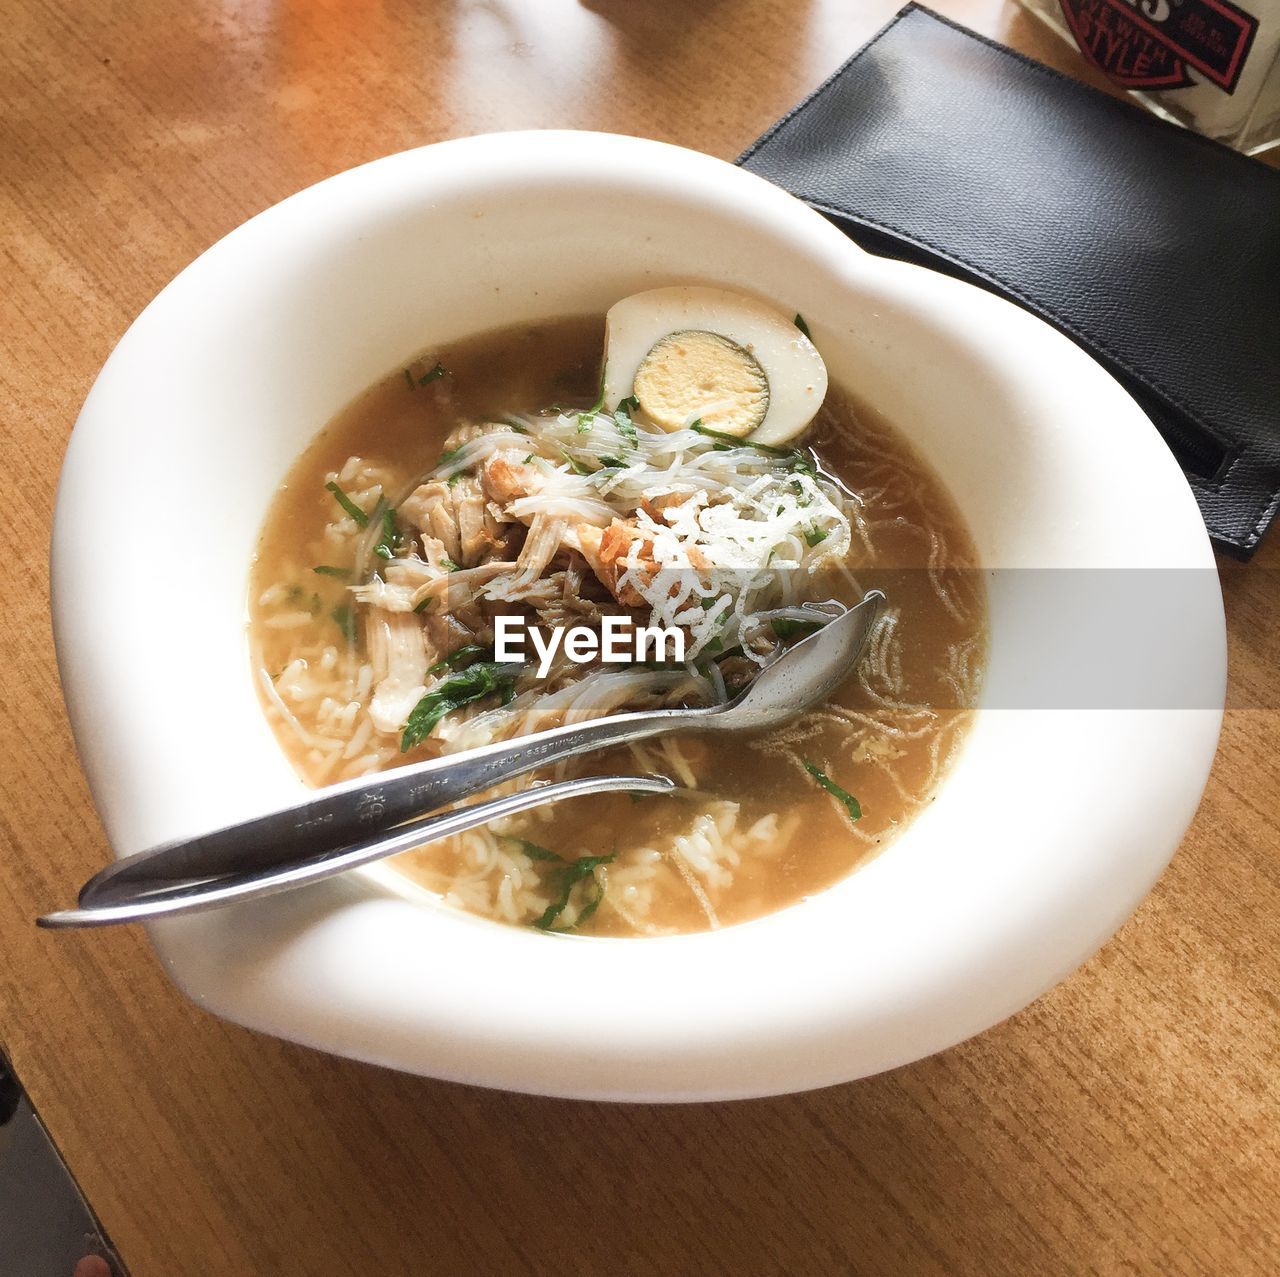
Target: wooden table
(1124,1124)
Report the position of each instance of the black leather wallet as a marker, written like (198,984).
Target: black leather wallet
(1155,249)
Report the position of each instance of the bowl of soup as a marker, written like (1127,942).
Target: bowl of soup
(563,381)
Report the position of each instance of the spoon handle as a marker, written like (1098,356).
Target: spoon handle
(112,898)
(343,813)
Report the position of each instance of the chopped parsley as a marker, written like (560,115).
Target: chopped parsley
(462,656)
(345,620)
(622,419)
(567,878)
(588,419)
(413,382)
(324,569)
(578,467)
(785,627)
(535,851)
(357,515)
(815,535)
(733,441)
(851,804)
(485,678)
(796,458)
(585,421)
(390,540)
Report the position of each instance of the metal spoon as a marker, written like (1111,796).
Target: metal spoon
(362,820)
(139,899)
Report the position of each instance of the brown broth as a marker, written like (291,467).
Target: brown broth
(892,758)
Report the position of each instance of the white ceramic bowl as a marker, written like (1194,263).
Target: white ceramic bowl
(1049,830)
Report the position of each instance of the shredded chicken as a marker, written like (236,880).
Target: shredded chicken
(541,546)
(476,518)
(451,591)
(509,482)
(430,509)
(656,503)
(609,552)
(567,524)
(389,596)
(505,478)
(397,648)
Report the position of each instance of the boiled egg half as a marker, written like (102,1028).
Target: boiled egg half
(709,355)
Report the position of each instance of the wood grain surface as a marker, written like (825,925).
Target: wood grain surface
(1126,1123)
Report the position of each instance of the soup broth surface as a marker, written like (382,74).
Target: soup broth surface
(758,831)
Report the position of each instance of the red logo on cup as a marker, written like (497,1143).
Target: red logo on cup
(1150,44)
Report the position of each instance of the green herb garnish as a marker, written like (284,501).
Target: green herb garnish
(612,463)
(345,620)
(325,570)
(733,441)
(426,603)
(358,515)
(447,456)
(572,873)
(816,535)
(449,565)
(468,652)
(622,419)
(472,684)
(390,539)
(852,806)
(795,457)
(588,419)
(784,627)
(578,467)
(802,326)
(432,373)
(534,850)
